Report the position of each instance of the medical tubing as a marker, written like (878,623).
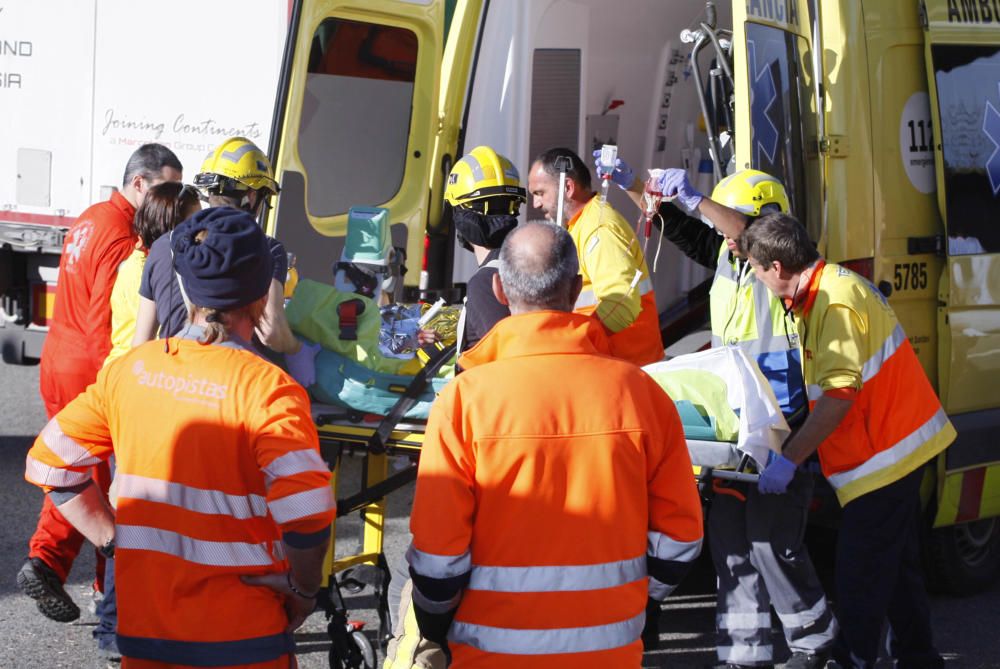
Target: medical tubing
(631,287)
(659,243)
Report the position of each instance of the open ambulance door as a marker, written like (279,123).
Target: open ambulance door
(368,109)
(776,126)
(963,70)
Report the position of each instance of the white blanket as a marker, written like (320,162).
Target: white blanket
(762,426)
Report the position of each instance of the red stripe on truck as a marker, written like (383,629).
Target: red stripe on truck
(42,219)
(972,495)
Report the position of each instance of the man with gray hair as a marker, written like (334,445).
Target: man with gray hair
(543,516)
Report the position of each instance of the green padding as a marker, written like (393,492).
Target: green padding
(702,402)
(696,425)
(312,313)
(345,383)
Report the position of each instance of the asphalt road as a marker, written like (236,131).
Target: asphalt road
(965,629)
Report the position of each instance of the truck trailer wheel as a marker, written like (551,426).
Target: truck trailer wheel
(964,559)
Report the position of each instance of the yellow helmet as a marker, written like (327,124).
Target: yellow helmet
(486,181)
(234,167)
(752,192)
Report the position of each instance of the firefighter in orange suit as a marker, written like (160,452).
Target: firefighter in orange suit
(223,501)
(76,345)
(539,528)
(617,287)
(875,421)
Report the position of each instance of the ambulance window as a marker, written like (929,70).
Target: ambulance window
(969,108)
(355,121)
(778,92)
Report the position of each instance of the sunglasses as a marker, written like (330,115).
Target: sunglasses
(190,189)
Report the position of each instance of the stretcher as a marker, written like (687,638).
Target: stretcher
(378,438)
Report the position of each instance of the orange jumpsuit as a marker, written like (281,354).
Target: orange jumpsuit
(554,492)
(218,464)
(76,345)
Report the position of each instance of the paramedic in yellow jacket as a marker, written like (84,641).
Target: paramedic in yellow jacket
(617,287)
(875,421)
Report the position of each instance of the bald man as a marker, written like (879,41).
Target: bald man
(597,487)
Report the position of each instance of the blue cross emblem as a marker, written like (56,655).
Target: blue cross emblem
(763,94)
(991,128)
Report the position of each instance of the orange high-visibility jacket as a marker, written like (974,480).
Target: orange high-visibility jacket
(610,256)
(217,461)
(553,479)
(854,348)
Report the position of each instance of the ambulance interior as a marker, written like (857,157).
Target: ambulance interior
(573,73)
(581,74)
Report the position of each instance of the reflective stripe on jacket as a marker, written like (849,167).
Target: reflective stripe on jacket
(553,495)
(853,343)
(610,256)
(745,313)
(217,459)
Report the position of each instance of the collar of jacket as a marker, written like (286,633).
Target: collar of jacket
(119,202)
(579,212)
(538,333)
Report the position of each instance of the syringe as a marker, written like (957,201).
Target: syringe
(431,313)
(609,156)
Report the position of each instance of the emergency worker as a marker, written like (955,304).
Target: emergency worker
(485,195)
(617,287)
(875,421)
(165,206)
(76,345)
(224,505)
(539,530)
(235,174)
(755,539)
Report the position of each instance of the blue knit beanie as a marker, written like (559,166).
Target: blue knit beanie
(228,269)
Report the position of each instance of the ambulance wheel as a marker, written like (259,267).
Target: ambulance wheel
(361,654)
(965,558)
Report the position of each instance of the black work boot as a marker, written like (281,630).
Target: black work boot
(37,580)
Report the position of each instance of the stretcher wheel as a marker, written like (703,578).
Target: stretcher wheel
(351,584)
(360,653)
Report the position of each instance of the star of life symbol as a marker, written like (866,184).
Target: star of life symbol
(78,242)
(763,94)
(991,128)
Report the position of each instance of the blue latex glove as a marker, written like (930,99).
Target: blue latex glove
(674,183)
(302,365)
(777,475)
(623,175)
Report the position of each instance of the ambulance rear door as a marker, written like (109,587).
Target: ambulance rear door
(369,105)
(963,68)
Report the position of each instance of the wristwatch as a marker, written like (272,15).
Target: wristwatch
(108,549)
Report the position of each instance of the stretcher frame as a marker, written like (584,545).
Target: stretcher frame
(377,439)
